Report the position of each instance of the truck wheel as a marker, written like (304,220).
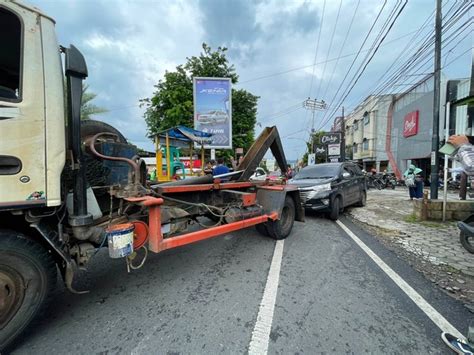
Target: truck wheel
(335,209)
(27,276)
(280,229)
(262,229)
(90,128)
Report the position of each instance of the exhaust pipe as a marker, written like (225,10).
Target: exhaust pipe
(76,72)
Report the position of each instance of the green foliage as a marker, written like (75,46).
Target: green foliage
(88,109)
(172,102)
(316,140)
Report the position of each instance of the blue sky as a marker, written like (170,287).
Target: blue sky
(272,43)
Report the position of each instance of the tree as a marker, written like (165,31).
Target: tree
(88,109)
(315,141)
(172,101)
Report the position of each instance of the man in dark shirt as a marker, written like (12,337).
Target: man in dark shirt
(220,168)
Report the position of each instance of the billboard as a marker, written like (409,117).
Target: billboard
(213,110)
(410,124)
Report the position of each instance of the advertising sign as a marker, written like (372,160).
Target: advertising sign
(213,110)
(320,151)
(331,138)
(311,159)
(337,125)
(334,149)
(410,124)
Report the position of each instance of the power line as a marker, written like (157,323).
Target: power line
(422,52)
(329,49)
(358,52)
(342,47)
(322,62)
(317,48)
(376,45)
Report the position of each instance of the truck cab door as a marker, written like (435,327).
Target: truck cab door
(22,107)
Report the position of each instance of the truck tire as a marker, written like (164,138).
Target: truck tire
(90,128)
(281,228)
(27,276)
(262,229)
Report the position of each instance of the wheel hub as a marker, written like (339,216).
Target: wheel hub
(12,293)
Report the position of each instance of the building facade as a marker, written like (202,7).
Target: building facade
(366,128)
(410,122)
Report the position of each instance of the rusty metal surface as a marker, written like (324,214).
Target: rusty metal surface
(246,198)
(271,200)
(269,138)
(203,234)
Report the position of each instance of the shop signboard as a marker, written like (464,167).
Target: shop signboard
(311,159)
(410,124)
(320,151)
(213,110)
(331,138)
(334,149)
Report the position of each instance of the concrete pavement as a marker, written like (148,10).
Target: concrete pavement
(435,242)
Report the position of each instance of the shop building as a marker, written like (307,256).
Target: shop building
(366,128)
(409,126)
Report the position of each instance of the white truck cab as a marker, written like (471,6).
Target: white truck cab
(32,117)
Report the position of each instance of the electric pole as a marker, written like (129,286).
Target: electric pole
(436,104)
(343,137)
(313,105)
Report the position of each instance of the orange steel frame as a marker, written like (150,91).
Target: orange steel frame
(156,243)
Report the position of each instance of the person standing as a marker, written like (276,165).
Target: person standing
(220,168)
(414,181)
(464,155)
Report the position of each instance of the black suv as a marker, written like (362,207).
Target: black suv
(331,187)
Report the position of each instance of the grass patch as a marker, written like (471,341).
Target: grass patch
(411,218)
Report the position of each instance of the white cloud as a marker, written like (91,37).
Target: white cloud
(130,45)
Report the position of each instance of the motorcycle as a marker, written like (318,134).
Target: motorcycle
(466,236)
(389,181)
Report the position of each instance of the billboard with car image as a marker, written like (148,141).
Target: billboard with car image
(213,110)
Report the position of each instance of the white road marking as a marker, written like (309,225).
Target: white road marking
(432,313)
(263,326)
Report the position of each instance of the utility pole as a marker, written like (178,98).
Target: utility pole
(313,105)
(436,104)
(343,137)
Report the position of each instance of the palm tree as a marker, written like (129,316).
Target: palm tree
(88,109)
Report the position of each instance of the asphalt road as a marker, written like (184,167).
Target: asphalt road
(204,298)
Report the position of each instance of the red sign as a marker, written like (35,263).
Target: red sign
(410,124)
(187,163)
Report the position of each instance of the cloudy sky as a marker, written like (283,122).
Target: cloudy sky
(272,43)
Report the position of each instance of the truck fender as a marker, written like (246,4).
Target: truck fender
(272,198)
